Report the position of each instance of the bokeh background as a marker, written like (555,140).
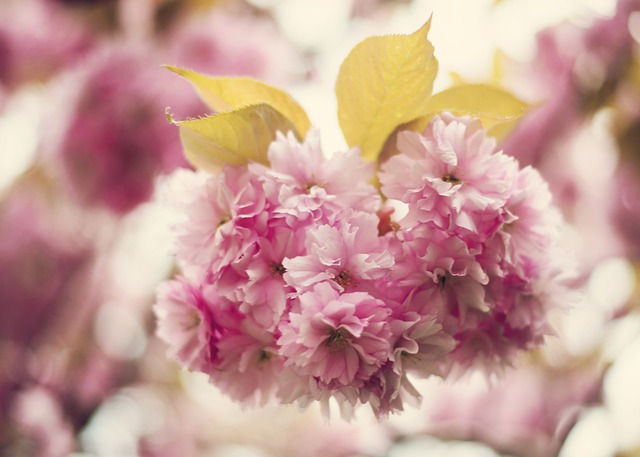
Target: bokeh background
(88,160)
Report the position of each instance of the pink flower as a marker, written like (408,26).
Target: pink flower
(451,175)
(340,339)
(249,366)
(488,343)
(419,346)
(349,254)
(308,187)
(255,280)
(111,139)
(388,390)
(264,292)
(232,241)
(522,306)
(517,319)
(221,219)
(421,343)
(186,324)
(532,224)
(208,333)
(449,263)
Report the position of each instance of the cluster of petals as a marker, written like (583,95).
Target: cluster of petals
(481,234)
(298,286)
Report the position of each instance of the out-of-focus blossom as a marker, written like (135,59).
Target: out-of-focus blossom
(110,138)
(189,419)
(574,72)
(528,413)
(40,261)
(578,70)
(39,425)
(46,294)
(38,39)
(230,40)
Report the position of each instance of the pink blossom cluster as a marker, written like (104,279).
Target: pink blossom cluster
(298,285)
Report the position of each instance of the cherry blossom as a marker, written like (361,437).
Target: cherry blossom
(304,288)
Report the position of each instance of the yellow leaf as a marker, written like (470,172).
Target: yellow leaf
(385,81)
(497,109)
(456,78)
(224,93)
(232,137)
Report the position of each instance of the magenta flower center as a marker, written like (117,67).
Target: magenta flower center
(337,340)
(343,278)
(277,269)
(449,177)
(308,187)
(442,279)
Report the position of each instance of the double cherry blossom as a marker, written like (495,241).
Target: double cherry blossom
(300,285)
